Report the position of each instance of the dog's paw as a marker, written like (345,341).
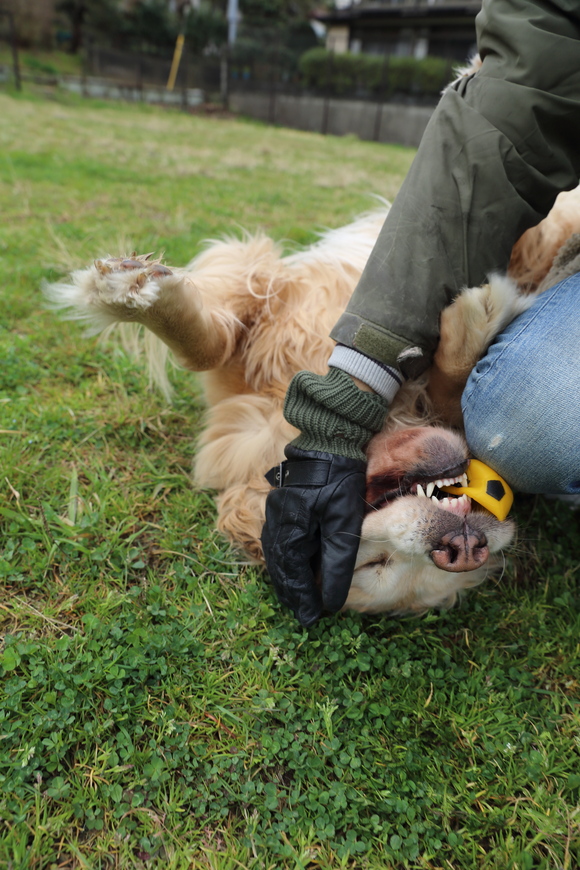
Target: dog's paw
(142,262)
(113,289)
(132,282)
(474,319)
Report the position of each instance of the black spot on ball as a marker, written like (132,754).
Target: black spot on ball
(495,489)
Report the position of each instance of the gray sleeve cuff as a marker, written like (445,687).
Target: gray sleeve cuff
(383,379)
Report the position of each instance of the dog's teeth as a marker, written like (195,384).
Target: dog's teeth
(430,488)
(420,490)
(434,499)
(464,480)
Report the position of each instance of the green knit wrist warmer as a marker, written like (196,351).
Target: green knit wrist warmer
(332,413)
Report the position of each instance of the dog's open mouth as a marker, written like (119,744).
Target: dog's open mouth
(429,487)
(456,504)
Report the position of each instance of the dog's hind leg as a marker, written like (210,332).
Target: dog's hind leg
(244,437)
(166,301)
(467,328)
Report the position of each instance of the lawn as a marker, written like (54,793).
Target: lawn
(35,63)
(158,709)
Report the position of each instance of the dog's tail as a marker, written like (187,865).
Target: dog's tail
(148,350)
(71,301)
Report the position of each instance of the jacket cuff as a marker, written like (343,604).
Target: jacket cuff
(383,379)
(332,413)
(380,344)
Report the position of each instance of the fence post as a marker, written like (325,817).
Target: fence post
(272,104)
(326,105)
(86,50)
(139,77)
(225,78)
(14,48)
(381,99)
(185,72)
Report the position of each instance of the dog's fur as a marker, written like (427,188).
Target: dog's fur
(249,318)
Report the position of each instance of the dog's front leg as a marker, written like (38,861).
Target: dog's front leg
(167,301)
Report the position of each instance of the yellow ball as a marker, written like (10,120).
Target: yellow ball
(486,488)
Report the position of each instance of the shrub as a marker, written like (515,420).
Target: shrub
(373,75)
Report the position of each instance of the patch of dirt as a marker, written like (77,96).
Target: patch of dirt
(213,110)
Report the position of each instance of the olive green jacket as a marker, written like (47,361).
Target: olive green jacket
(499,148)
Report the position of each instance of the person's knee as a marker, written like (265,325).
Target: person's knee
(539,455)
(520,405)
(494,442)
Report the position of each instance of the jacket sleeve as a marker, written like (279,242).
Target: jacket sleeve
(499,148)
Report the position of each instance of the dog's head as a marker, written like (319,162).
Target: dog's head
(419,545)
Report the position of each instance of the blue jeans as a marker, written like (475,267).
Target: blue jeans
(521,404)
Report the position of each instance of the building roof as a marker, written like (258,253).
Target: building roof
(403,10)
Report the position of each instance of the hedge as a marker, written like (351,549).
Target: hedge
(373,74)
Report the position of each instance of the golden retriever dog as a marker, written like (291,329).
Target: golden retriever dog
(248,317)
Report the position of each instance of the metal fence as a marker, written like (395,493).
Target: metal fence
(218,75)
(268,85)
(140,70)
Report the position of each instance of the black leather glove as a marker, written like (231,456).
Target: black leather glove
(313,523)
(314,516)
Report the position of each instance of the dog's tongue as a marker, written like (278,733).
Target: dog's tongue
(486,488)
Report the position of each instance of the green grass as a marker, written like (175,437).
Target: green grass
(35,62)
(158,709)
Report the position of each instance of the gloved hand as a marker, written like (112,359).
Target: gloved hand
(314,516)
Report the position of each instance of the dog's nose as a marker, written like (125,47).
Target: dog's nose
(461,551)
